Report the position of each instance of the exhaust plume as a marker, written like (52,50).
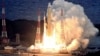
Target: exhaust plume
(78,29)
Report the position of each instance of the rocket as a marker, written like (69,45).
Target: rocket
(62,25)
(38,34)
(44,28)
(4,36)
(49,14)
(44,18)
(62,12)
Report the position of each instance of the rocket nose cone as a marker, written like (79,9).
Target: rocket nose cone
(49,4)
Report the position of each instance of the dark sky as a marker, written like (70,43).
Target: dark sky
(27,9)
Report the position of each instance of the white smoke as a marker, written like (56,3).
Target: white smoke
(78,29)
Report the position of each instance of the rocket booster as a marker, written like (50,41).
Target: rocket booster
(38,39)
(62,25)
(49,14)
(44,23)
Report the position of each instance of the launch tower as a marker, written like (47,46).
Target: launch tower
(4,37)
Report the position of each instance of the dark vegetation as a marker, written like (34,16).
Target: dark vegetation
(26,29)
(93,54)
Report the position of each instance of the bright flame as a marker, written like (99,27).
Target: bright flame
(78,29)
(49,42)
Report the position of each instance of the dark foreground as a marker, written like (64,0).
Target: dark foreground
(30,54)
(45,54)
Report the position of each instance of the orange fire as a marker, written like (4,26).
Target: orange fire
(49,43)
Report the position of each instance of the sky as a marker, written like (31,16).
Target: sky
(27,9)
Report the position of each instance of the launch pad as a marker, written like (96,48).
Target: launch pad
(59,37)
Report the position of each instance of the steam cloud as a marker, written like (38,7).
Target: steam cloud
(78,29)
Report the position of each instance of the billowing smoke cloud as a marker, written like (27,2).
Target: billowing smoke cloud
(78,29)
